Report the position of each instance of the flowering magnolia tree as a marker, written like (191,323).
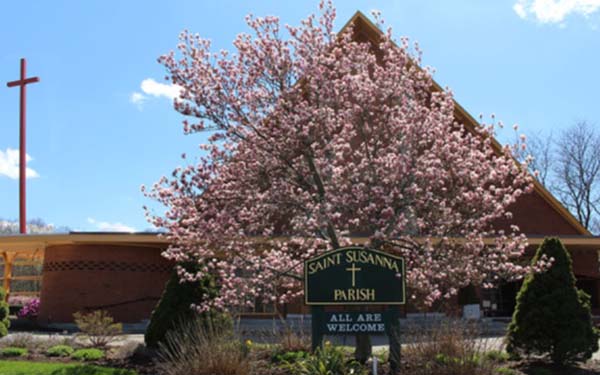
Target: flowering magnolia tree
(317,139)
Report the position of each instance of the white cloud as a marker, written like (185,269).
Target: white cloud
(104,226)
(137,98)
(9,164)
(151,88)
(554,11)
(520,10)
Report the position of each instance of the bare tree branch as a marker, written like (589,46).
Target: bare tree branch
(577,171)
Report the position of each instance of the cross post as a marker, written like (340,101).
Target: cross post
(22,82)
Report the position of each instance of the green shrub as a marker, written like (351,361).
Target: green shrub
(13,352)
(497,356)
(98,327)
(505,371)
(88,354)
(4,308)
(60,351)
(174,305)
(552,317)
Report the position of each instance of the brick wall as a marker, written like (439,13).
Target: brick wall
(125,280)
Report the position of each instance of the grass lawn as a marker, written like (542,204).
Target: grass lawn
(41,368)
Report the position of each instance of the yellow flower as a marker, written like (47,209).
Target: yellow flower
(248,342)
(327,343)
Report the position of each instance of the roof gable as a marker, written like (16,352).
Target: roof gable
(559,219)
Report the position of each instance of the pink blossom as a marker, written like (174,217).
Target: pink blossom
(315,140)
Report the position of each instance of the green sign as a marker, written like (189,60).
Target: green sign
(354,276)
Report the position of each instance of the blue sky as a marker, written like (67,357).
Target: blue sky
(96,134)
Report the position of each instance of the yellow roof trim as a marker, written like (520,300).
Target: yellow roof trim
(36,244)
(44,240)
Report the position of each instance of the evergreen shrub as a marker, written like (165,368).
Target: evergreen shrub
(174,307)
(4,321)
(552,317)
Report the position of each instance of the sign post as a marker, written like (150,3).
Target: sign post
(393,333)
(316,322)
(356,276)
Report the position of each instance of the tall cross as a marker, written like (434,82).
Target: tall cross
(353,269)
(22,154)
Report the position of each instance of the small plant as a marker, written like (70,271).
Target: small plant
(327,360)
(13,352)
(288,357)
(98,326)
(505,371)
(60,351)
(92,354)
(497,356)
(42,345)
(30,309)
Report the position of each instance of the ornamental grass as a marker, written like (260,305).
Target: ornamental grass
(195,348)
(450,348)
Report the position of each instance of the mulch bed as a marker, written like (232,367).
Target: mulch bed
(145,366)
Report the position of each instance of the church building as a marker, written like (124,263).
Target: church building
(125,274)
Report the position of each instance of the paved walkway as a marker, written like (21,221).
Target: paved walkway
(262,331)
(379,342)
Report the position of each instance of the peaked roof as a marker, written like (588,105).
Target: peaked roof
(364,27)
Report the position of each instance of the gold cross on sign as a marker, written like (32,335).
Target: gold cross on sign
(353,269)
